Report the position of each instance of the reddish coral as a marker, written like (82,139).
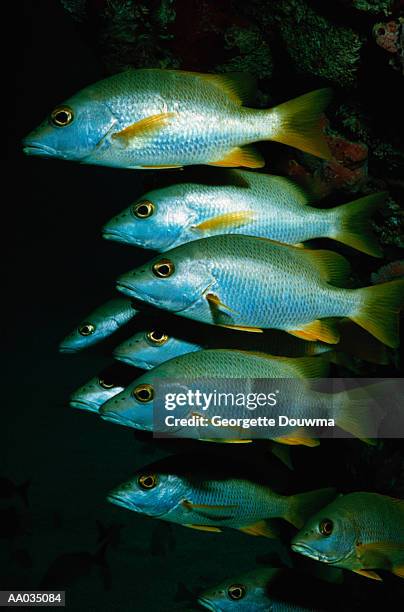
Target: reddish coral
(347,170)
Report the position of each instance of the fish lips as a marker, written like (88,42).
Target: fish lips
(83,405)
(128,504)
(30,147)
(207,604)
(119,419)
(308,551)
(118,236)
(136,363)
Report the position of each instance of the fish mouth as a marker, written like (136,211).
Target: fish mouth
(113,417)
(207,604)
(38,149)
(123,502)
(127,289)
(117,236)
(307,551)
(67,349)
(83,405)
(136,363)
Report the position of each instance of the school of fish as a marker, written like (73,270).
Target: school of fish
(236,291)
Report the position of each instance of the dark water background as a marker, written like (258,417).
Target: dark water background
(59,268)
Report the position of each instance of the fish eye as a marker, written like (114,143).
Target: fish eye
(104,384)
(163,268)
(326,527)
(156,337)
(143,209)
(86,329)
(147,481)
(62,116)
(143,393)
(236,591)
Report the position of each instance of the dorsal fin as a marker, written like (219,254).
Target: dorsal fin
(239,86)
(332,267)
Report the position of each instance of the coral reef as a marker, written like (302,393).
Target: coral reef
(316,45)
(390,37)
(373,6)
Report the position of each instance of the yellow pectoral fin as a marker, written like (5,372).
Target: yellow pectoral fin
(203,528)
(229,220)
(215,301)
(144,127)
(256,330)
(368,574)
(317,330)
(241,156)
(262,528)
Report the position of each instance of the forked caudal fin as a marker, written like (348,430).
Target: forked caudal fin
(353,223)
(379,309)
(297,123)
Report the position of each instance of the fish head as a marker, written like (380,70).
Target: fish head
(149,492)
(74,129)
(175,280)
(329,536)
(155,221)
(132,407)
(93,394)
(148,349)
(100,324)
(241,593)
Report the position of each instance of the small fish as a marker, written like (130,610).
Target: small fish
(350,410)
(99,324)
(197,492)
(255,591)
(101,388)
(148,349)
(362,532)
(249,283)
(152,118)
(264,206)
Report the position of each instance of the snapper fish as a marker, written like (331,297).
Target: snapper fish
(260,205)
(99,324)
(148,349)
(201,493)
(250,283)
(351,410)
(152,118)
(266,589)
(101,388)
(361,532)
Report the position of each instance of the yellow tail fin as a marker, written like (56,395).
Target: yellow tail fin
(379,309)
(353,224)
(297,123)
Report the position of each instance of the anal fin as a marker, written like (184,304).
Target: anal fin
(261,528)
(319,329)
(204,528)
(246,156)
(368,574)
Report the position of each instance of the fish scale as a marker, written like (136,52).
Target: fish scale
(256,205)
(151,118)
(254,285)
